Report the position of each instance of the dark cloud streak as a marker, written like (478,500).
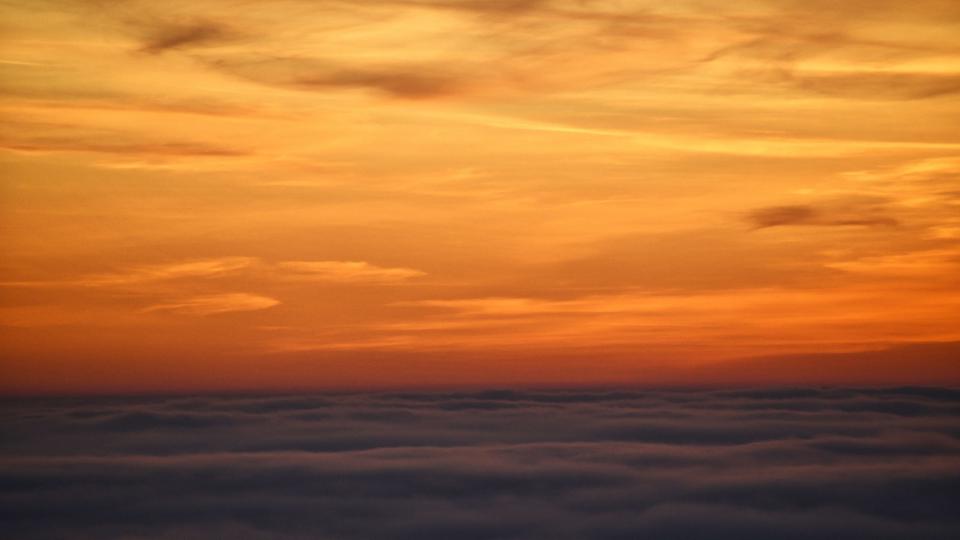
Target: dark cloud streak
(169,37)
(790,215)
(405,82)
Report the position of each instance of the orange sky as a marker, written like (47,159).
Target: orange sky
(207,194)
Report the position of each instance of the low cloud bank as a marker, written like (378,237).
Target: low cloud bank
(767,463)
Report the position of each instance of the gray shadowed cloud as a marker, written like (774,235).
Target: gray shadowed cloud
(791,215)
(162,36)
(400,81)
(794,463)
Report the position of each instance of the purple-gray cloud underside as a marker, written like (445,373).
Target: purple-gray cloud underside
(605,464)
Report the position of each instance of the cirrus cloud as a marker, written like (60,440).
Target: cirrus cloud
(345,272)
(215,304)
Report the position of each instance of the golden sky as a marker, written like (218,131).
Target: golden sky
(320,193)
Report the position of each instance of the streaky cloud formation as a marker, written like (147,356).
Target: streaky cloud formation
(779,216)
(160,149)
(345,271)
(216,303)
(151,273)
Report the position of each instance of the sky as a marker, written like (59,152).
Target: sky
(306,194)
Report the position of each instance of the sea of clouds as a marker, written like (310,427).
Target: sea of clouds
(799,463)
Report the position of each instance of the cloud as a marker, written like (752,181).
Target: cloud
(199,268)
(780,216)
(793,463)
(918,196)
(776,216)
(148,421)
(488,6)
(400,81)
(921,182)
(834,54)
(927,264)
(194,268)
(397,82)
(179,35)
(647,331)
(880,86)
(85,144)
(345,272)
(216,304)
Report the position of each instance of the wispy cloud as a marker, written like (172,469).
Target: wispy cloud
(342,272)
(174,149)
(880,86)
(790,319)
(930,264)
(345,272)
(135,275)
(216,304)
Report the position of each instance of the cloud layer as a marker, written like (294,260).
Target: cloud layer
(798,463)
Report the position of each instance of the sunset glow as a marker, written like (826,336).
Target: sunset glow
(212,195)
